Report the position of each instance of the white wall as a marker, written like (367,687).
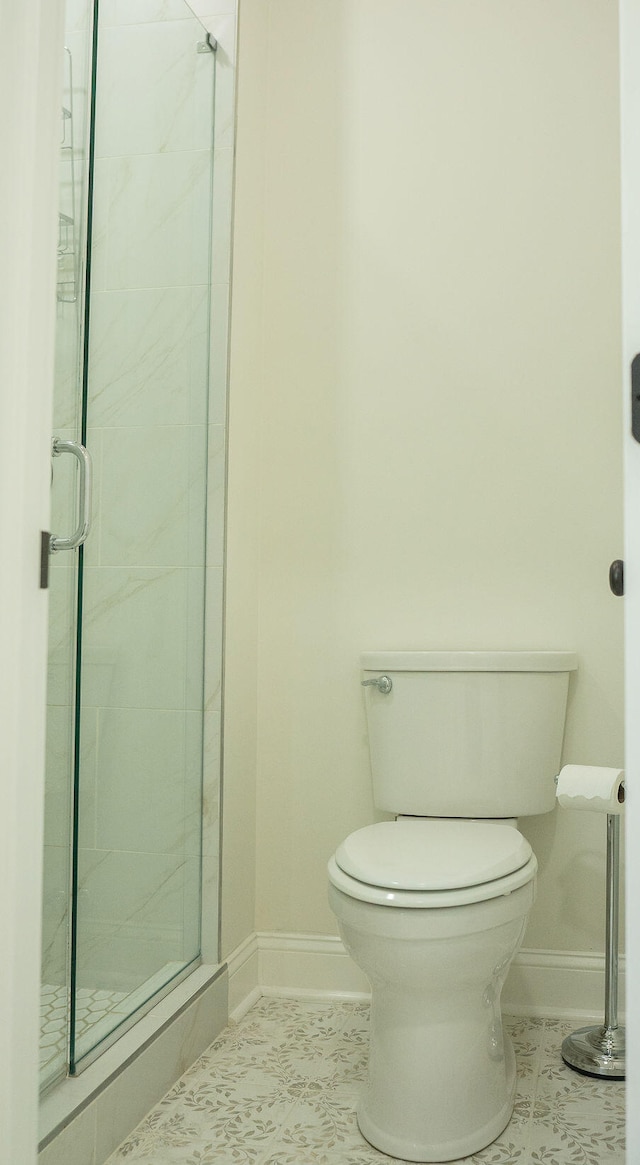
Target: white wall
(435,367)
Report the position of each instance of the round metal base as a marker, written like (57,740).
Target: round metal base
(596,1051)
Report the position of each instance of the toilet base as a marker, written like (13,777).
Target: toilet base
(451,1150)
(441,1073)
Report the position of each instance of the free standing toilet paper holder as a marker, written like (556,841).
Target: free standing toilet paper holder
(600,1050)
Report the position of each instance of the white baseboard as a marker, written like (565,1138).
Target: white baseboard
(558,984)
(313,964)
(540,983)
(244,989)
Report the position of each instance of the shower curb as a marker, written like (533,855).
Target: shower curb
(83,1119)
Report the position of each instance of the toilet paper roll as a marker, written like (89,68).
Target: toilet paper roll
(587,787)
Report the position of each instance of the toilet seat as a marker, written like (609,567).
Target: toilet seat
(427,863)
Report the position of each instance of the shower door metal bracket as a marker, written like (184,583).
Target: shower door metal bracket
(208,45)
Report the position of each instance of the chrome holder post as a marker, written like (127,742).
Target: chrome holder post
(600,1051)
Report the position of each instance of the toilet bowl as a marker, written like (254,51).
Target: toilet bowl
(433,906)
(436,959)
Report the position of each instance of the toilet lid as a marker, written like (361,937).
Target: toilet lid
(431,899)
(432,854)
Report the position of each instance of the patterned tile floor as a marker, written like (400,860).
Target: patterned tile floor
(281,1087)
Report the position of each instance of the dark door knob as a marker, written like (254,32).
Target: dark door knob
(616,577)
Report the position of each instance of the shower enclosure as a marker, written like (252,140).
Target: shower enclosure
(123,820)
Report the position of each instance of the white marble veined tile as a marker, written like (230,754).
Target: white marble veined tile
(142,11)
(216,477)
(157,216)
(139,890)
(99,224)
(210,837)
(192,913)
(219,350)
(100,664)
(134,624)
(213,639)
(152,484)
(61,644)
(55,913)
(156,89)
(142,780)
(211,783)
(221,221)
(135,915)
(198,496)
(148,357)
(122,956)
(195,638)
(199,795)
(77,15)
(58,775)
(108,13)
(204,9)
(88,775)
(67,382)
(224,128)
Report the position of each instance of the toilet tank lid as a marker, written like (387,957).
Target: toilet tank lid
(432,854)
(465,661)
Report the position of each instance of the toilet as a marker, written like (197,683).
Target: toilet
(433,905)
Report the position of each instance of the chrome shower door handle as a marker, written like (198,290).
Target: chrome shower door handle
(85,484)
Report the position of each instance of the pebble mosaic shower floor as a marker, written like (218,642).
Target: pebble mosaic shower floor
(281,1087)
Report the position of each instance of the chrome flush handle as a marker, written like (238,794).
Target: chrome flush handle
(382,683)
(84,495)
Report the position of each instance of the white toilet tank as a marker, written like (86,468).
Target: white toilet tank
(466,733)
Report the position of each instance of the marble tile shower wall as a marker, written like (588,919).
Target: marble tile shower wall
(151,427)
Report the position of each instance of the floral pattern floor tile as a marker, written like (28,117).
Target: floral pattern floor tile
(281,1088)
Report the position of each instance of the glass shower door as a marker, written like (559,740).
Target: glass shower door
(64,564)
(139,793)
(123,816)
